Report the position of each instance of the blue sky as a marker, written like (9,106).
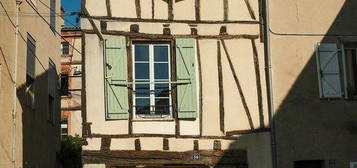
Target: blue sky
(71,6)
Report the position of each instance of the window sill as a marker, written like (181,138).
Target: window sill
(153,120)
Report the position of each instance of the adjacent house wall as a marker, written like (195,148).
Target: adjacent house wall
(71,104)
(34,130)
(310,128)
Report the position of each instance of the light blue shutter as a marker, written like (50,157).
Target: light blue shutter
(330,70)
(186,75)
(117,106)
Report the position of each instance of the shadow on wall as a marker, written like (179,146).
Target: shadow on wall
(307,127)
(40,124)
(316,132)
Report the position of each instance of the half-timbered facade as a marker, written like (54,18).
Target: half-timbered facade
(174,83)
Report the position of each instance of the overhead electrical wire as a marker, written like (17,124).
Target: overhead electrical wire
(49,24)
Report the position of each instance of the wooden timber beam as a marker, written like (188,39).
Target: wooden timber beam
(225,10)
(162,36)
(109,10)
(137,20)
(240,90)
(152,9)
(207,157)
(198,10)
(258,83)
(250,9)
(95,28)
(200,85)
(170,9)
(138,8)
(227,137)
(220,87)
(243,132)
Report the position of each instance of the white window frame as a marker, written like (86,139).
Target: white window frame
(152,81)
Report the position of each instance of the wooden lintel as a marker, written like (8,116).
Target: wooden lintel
(220,87)
(163,36)
(207,157)
(243,132)
(137,20)
(95,135)
(240,90)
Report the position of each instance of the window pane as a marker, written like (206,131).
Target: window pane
(142,90)
(162,106)
(162,90)
(161,71)
(141,70)
(141,53)
(65,48)
(142,105)
(161,53)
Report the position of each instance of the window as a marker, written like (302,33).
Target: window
(64,128)
(64,84)
(337,70)
(52,90)
(152,81)
(65,48)
(30,71)
(156,83)
(350,50)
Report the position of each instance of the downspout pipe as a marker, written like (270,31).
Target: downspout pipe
(14,110)
(269,81)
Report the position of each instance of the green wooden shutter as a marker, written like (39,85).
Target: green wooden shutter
(186,75)
(330,70)
(117,107)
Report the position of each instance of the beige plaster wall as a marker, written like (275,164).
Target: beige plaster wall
(76,123)
(160,127)
(308,127)
(93,144)
(182,10)
(46,42)
(96,7)
(207,13)
(181,28)
(160,10)
(126,8)
(188,6)
(146,10)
